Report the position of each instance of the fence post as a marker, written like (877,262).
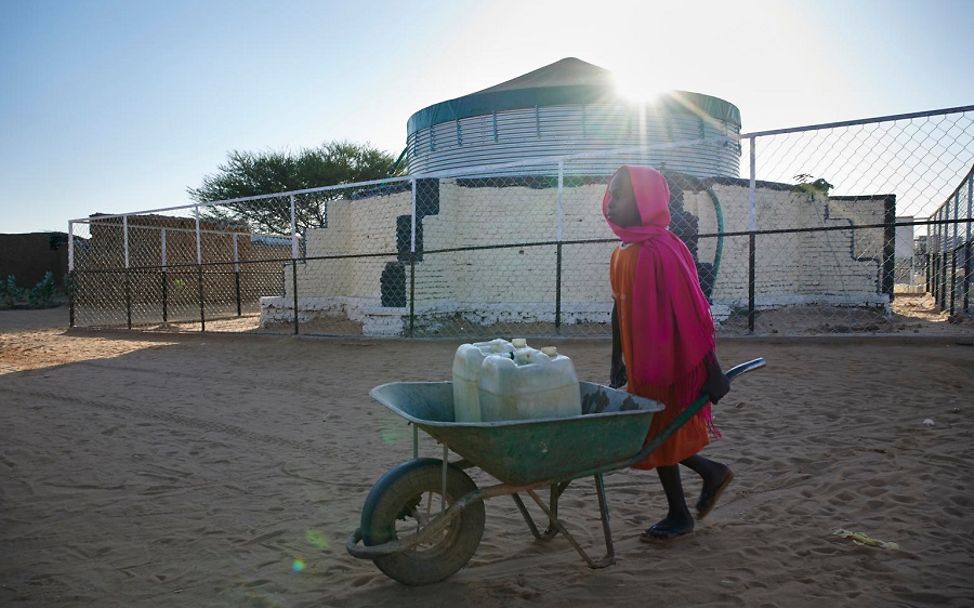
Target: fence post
(294,261)
(294,230)
(294,289)
(889,247)
(128,278)
(929,261)
(558,288)
(165,276)
(967,257)
(71,286)
(412,215)
(943,259)
(967,276)
(236,271)
(412,294)
(559,236)
(953,279)
(128,299)
(73,282)
(125,238)
(935,286)
(954,247)
(752,225)
(752,218)
(70,246)
(750,283)
(560,204)
(199,270)
(936,261)
(941,240)
(412,256)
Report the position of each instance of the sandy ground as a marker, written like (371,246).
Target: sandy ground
(163,470)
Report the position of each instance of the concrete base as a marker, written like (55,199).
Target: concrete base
(384,321)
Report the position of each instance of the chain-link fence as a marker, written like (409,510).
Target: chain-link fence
(945,258)
(171,271)
(860,226)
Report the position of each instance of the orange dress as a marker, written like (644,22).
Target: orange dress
(692,436)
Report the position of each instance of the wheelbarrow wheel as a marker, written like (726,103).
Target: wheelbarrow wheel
(403,501)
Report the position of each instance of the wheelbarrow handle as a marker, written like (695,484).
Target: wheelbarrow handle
(691,411)
(743,368)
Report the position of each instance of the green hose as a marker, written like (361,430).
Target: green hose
(720,232)
(395,165)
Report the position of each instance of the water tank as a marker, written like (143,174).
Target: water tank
(569,108)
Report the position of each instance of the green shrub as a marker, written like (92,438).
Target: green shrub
(39,296)
(10,294)
(42,294)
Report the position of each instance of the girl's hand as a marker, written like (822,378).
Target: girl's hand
(717,384)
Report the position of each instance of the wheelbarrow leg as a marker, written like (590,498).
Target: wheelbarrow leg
(557,489)
(527,516)
(608,559)
(610,552)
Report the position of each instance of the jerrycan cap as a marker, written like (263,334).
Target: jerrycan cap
(519,342)
(551,351)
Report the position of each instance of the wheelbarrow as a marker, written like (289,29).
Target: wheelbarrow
(422,520)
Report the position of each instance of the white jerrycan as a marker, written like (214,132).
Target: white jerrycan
(466,376)
(534,384)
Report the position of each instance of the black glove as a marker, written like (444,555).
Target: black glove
(717,384)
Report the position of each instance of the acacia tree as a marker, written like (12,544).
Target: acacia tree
(253,174)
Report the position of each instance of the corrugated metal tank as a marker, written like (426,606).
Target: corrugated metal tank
(571,108)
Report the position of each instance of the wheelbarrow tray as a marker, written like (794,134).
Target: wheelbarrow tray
(612,428)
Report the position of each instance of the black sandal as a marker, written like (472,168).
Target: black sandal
(658,534)
(708,500)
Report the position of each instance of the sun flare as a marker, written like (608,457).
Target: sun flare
(636,86)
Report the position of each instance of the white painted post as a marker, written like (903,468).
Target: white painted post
(199,245)
(125,238)
(294,263)
(294,230)
(560,228)
(71,246)
(412,203)
(163,244)
(752,221)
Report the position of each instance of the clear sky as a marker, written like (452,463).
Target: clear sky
(112,106)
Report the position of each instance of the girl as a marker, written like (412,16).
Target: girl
(663,339)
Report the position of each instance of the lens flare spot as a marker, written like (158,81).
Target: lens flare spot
(316,539)
(298,565)
(391,433)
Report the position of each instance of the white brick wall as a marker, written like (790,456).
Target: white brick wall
(354,226)
(815,267)
(518,284)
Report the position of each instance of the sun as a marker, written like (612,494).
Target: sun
(636,86)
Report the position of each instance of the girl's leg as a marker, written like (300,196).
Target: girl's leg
(678,520)
(716,477)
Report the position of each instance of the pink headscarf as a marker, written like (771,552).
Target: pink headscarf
(672,328)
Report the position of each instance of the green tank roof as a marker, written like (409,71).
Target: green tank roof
(569,81)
